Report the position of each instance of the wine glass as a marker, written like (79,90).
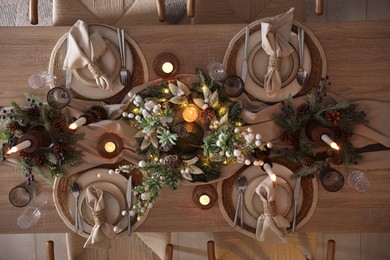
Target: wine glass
(31,214)
(41,80)
(216,70)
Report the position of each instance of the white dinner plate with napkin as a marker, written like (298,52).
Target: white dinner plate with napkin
(252,173)
(254,84)
(98,175)
(114,203)
(82,82)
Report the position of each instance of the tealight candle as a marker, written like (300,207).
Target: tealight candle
(167,67)
(204,200)
(268,169)
(109,147)
(79,122)
(23,145)
(329,141)
(190,114)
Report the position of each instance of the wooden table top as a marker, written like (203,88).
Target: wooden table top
(358,56)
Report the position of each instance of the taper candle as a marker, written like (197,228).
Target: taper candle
(329,141)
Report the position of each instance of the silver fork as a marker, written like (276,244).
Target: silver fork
(76,192)
(241,185)
(302,73)
(124,74)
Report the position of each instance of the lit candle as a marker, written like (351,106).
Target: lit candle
(109,147)
(329,141)
(268,169)
(21,146)
(79,122)
(190,114)
(204,200)
(167,67)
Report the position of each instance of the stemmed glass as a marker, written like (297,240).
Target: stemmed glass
(31,214)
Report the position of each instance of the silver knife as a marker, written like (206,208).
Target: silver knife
(296,199)
(129,198)
(68,78)
(244,69)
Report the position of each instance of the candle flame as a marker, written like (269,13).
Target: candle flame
(73,126)
(334,146)
(12,150)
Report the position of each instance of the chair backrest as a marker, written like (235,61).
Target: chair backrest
(49,250)
(210,251)
(331,250)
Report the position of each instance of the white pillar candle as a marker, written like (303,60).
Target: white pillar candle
(79,122)
(167,67)
(268,169)
(329,141)
(204,200)
(21,146)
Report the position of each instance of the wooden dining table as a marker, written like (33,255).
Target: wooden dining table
(358,65)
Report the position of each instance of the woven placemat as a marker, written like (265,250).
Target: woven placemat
(139,75)
(318,59)
(61,189)
(309,192)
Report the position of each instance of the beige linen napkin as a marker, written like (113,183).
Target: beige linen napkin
(102,233)
(271,228)
(86,50)
(275,35)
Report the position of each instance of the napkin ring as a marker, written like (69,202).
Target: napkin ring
(274,63)
(96,69)
(269,208)
(99,217)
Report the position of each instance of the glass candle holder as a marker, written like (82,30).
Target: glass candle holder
(166,65)
(331,180)
(109,145)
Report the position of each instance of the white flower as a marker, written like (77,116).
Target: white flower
(179,91)
(209,99)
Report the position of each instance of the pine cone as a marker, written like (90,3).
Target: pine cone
(302,110)
(58,149)
(24,155)
(39,160)
(333,117)
(171,159)
(286,137)
(307,161)
(208,114)
(13,126)
(33,113)
(58,124)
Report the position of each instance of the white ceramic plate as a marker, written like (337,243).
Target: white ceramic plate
(283,197)
(80,86)
(99,175)
(114,203)
(255,89)
(253,172)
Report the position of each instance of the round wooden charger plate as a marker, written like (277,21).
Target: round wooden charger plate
(309,190)
(61,189)
(318,59)
(139,76)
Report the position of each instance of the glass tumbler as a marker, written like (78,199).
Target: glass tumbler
(22,194)
(29,217)
(233,86)
(59,97)
(41,80)
(331,180)
(358,180)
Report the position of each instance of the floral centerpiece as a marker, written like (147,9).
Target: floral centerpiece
(340,118)
(185,146)
(52,125)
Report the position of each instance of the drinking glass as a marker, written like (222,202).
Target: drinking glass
(358,180)
(41,80)
(331,180)
(59,97)
(22,194)
(31,214)
(233,86)
(216,70)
